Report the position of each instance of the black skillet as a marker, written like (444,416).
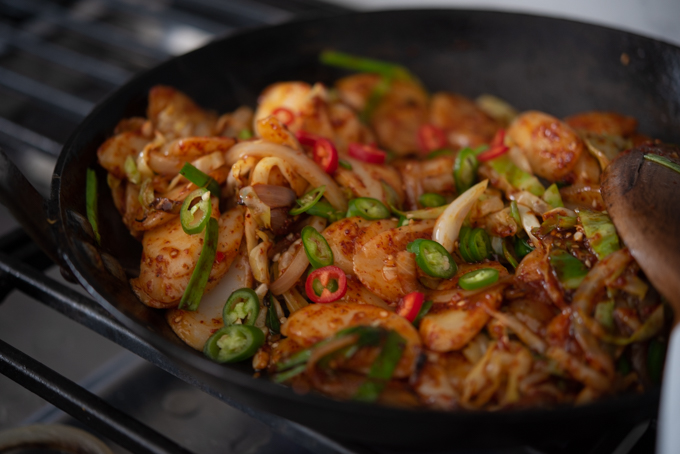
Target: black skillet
(556,66)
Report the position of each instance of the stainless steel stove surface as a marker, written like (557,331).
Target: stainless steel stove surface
(57,60)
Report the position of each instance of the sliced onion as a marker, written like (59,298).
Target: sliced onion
(294,301)
(447,227)
(526,198)
(259,262)
(275,196)
(258,209)
(304,166)
(520,329)
(530,222)
(298,265)
(264,167)
(518,158)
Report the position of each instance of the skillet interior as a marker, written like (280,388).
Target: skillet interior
(557,66)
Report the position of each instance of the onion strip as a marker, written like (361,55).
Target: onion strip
(304,166)
(448,224)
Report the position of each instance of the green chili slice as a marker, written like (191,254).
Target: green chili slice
(242,307)
(478,278)
(194,291)
(433,258)
(325,210)
(234,343)
(316,247)
(570,271)
(195,211)
(479,244)
(368,208)
(91,206)
(308,200)
(382,368)
(431,200)
(463,240)
(200,179)
(465,169)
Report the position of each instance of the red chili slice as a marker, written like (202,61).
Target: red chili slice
(430,138)
(306,138)
(409,306)
(496,147)
(326,155)
(284,115)
(367,153)
(219,256)
(326,284)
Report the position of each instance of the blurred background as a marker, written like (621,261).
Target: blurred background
(58,58)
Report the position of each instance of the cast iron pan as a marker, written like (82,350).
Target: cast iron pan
(556,66)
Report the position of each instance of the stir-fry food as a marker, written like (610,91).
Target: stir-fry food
(378,242)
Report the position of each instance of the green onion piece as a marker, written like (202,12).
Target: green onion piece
(439,153)
(368,208)
(194,217)
(272,321)
(382,368)
(242,307)
(199,278)
(146,195)
(656,353)
(364,65)
(663,161)
(91,206)
(316,247)
(344,164)
(424,309)
(604,314)
(245,134)
(391,196)
(431,200)
(570,271)
(200,179)
(518,178)
(600,232)
(425,213)
(376,95)
(234,343)
(508,255)
(478,278)
(282,377)
(552,196)
(465,169)
(308,200)
(131,170)
(403,221)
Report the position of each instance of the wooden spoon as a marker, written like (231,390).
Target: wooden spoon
(643,200)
